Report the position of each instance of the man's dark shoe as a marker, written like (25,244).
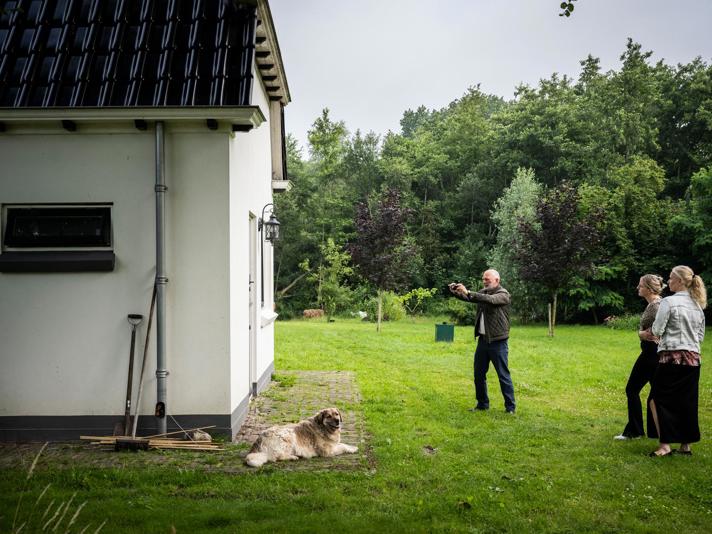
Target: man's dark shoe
(479,409)
(510,410)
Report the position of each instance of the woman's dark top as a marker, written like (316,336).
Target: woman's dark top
(649,348)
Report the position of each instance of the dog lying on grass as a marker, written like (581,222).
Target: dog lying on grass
(319,435)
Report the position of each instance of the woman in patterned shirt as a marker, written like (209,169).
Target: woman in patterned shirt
(680,325)
(650,287)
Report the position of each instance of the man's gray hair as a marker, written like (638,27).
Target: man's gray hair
(494,272)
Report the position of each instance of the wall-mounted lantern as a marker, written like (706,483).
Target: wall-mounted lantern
(269,231)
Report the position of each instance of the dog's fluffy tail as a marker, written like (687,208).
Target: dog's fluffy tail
(256,459)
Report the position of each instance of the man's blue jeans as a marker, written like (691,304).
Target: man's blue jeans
(496,352)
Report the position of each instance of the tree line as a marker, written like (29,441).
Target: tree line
(572,190)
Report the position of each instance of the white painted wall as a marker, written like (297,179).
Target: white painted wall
(64,336)
(197,264)
(263,159)
(250,191)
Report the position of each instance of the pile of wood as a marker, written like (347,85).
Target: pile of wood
(157,441)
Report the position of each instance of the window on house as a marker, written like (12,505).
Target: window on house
(56,238)
(63,227)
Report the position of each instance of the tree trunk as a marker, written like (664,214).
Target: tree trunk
(553,315)
(282,292)
(318,286)
(380,311)
(425,202)
(550,332)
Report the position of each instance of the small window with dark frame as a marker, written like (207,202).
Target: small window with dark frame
(57,227)
(50,238)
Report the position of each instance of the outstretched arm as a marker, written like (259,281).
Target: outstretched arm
(496,299)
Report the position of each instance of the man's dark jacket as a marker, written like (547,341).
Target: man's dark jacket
(494,302)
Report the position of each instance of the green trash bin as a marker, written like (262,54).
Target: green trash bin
(444,332)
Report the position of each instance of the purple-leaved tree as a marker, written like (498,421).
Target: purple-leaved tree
(381,251)
(558,244)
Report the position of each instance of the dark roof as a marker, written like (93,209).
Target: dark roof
(126,53)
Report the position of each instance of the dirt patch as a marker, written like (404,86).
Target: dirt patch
(294,396)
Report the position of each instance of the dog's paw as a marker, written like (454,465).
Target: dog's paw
(350,449)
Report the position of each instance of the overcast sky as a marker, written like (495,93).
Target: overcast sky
(370,60)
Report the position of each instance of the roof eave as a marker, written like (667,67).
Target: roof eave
(268,57)
(240,117)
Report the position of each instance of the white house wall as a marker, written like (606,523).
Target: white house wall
(65,338)
(250,191)
(197,312)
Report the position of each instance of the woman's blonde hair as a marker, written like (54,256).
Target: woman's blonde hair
(693,283)
(653,283)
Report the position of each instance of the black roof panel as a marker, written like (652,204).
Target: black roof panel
(126,53)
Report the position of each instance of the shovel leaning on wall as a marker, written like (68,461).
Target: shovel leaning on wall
(134,320)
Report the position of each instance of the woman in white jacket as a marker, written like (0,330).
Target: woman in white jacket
(680,327)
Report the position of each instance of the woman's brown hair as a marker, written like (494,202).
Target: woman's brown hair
(653,283)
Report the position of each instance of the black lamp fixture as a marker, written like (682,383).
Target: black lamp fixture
(269,231)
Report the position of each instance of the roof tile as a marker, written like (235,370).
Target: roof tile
(126,53)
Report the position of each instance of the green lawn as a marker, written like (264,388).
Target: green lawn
(552,467)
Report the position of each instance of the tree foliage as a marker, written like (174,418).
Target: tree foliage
(332,294)
(381,250)
(635,143)
(517,206)
(558,244)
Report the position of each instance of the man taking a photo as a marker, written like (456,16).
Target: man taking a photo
(492,331)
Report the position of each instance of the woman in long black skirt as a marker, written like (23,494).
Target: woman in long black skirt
(680,325)
(650,287)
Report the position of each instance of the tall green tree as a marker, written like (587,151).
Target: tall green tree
(517,206)
(633,226)
(361,166)
(691,227)
(685,131)
(333,294)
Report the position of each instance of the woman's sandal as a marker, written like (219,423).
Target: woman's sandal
(657,453)
(688,452)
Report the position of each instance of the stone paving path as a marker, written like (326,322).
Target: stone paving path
(304,394)
(294,396)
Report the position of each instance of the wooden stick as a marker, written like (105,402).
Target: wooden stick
(159,443)
(184,443)
(165,444)
(179,431)
(193,448)
(151,436)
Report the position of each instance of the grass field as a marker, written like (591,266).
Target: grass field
(552,467)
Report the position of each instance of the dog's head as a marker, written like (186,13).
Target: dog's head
(330,418)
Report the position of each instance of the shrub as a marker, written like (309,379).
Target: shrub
(460,312)
(414,301)
(392,307)
(438,305)
(623,322)
(288,310)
